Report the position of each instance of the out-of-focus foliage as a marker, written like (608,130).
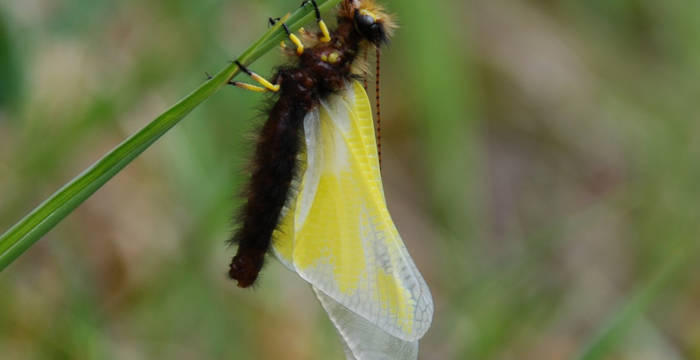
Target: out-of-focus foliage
(540,160)
(9,70)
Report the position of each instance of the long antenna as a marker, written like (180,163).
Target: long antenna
(379,113)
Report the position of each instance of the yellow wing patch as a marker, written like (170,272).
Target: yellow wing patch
(336,231)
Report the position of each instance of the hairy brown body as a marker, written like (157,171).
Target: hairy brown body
(320,71)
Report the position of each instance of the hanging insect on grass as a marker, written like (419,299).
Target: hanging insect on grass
(315,196)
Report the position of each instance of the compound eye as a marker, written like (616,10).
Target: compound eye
(366,23)
(363,20)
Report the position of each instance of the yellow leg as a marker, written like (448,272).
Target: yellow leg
(261,80)
(248,87)
(326,35)
(295,39)
(297,42)
(324,30)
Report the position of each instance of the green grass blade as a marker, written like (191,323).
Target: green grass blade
(617,325)
(44,217)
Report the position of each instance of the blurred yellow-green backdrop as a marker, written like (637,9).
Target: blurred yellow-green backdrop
(541,159)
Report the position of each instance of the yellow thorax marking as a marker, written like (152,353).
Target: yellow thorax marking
(331,58)
(334,57)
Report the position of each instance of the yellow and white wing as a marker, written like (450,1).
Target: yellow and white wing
(337,233)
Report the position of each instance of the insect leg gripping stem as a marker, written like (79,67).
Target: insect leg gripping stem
(295,39)
(266,85)
(321,24)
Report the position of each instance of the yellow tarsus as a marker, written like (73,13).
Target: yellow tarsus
(249,87)
(324,30)
(268,85)
(298,43)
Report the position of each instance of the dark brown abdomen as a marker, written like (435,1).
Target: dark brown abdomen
(274,166)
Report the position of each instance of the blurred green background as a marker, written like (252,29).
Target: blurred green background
(541,159)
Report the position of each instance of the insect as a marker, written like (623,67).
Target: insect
(315,197)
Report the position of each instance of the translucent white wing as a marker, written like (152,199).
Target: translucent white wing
(337,232)
(362,339)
